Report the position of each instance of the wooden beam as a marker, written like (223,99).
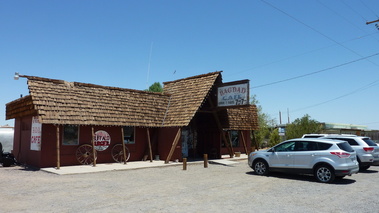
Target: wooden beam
(370,22)
(58,150)
(123,144)
(149,142)
(228,145)
(174,143)
(93,147)
(244,142)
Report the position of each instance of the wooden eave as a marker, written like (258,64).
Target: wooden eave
(20,108)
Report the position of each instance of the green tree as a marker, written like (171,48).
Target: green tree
(156,87)
(266,124)
(301,126)
(274,137)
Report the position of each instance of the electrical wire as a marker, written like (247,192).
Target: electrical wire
(300,54)
(313,29)
(353,10)
(374,83)
(364,4)
(347,20)
(316,72)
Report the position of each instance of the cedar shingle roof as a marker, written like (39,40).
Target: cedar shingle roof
(187,97)
(243,118)
(61,102)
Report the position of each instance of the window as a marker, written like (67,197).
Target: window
(129,135)
(323,146)
(70,135)
(234,138)
(352,142)
(285,147)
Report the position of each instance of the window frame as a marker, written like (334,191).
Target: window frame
(133,134)
(66,142)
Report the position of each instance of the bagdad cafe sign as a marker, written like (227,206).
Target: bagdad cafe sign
(233,94)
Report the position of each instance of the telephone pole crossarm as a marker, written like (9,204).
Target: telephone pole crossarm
(370,22)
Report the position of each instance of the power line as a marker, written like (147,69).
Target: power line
(313,29)
(347,20)
(369,8)
(300,54)
(353,10)
(312,73)
(374,83)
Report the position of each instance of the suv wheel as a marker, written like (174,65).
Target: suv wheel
(363,168)
(260,167)
(324,174)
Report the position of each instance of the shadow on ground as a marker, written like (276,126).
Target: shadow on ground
(307,178)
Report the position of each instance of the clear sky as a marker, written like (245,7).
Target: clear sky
(315,57)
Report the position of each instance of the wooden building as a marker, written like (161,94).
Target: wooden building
(68,123)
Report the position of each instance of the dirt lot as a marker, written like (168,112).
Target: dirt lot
(217,188)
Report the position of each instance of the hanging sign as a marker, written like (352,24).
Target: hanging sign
(35,139)
(233,94)
(102,140)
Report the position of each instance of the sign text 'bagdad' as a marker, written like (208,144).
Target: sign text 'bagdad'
(233,95)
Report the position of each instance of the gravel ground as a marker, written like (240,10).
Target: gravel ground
(217,188)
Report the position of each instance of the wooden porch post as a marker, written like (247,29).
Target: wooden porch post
(93,147)
(149,142)
(123,144)
(175,142)
(227,142)
(244,142)
(58,150)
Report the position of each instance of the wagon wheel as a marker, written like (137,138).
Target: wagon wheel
(84,154)
(118,154)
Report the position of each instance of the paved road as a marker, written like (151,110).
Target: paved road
(218,188)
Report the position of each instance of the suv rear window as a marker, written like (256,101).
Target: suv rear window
(323,146)
(345,146)
(352,142)
(369,142)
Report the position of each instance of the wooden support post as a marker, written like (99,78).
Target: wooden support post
(174,143)
(205,160)
(149,142)
(58,150)
(228,145)
(123,144)
(93,147)
(184,163)
(244,143)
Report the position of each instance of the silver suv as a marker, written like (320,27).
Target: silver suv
(366,149)
(324,158)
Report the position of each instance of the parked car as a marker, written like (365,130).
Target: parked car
(366,149)
(314,135)
(324,158)
(6,159)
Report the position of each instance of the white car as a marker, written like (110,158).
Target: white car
(366,149)
(324,158)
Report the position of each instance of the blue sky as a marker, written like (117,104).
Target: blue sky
(315,57)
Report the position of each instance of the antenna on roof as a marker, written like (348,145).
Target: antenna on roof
(148,67)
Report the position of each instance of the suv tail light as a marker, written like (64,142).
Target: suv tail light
(341,154)
(368,149)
